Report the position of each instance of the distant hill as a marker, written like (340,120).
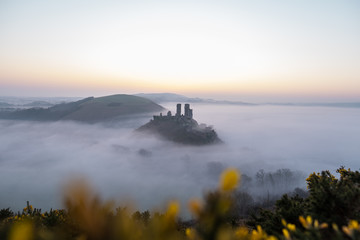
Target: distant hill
(167,97)
(172,97)
(88,110)
(334,104)
(4,104)
(29,102)
(38,104)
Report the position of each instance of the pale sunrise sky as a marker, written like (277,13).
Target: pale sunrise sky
(294,50)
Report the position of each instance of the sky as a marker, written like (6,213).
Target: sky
(234,50)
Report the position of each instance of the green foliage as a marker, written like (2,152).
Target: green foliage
(330,200)
(288,208)
(143,217)
(5,213)
(334,200)
(269,221)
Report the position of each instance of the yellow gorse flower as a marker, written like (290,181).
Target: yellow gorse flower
(347,231)
(258,234)
(323,225)
(316,224)
(353,224)
(22,231)
(291,227)
(307,223)
(242,232)
(195,207)
(309,220)
(286,233)
(303,222)
(229,179)
(173,209)
(190,233)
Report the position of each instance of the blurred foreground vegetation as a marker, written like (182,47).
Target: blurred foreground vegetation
(331,210)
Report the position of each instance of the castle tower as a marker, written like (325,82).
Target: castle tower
(187,110)
(178,109)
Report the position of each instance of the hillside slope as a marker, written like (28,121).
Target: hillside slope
(88,110)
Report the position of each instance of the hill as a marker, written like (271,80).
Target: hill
(38,104)
(4,104)
(172,97)
(88,110)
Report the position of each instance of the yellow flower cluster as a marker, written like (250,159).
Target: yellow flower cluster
(309,223)
(289,227)
(352,229)
(259,234)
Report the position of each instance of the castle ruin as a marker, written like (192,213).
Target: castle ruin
(188,113)
(181,127)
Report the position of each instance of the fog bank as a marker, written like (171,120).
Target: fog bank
(36,159)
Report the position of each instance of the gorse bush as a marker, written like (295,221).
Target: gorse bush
(88,218)
(332,201)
